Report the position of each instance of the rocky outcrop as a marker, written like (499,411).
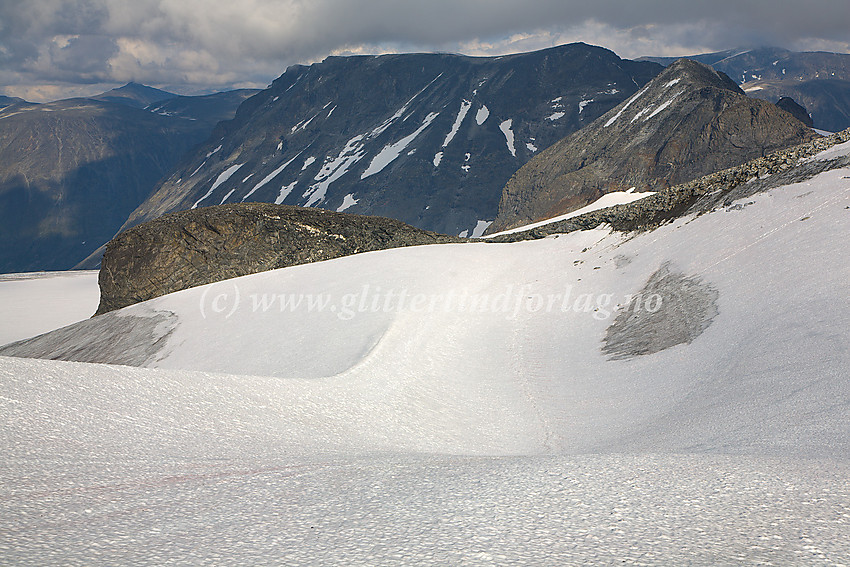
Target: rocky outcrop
(701,195)
(687,122)
(429,139)
(791,106)
(190,248)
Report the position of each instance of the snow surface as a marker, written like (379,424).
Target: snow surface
(505,127)
(37,302)
(348,201)
(308,162)
(482,115)
(582,104)
(285,190)
(465,105)
(223,176)
(480,423)
(605,201)
(556,116)
(438,157)
(531,147)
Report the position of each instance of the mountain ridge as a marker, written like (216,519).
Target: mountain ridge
(689,121)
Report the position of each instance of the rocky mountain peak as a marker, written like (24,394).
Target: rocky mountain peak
(689,121)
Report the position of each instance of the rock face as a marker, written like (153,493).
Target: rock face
(190,248)
(687,122)
(429,139)
(790,106)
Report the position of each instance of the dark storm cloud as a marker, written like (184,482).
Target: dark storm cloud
(196,44)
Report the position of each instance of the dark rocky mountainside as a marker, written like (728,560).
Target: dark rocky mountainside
(820,81)
(71,172)
(429,139)
(10,100)
(687,122)
(190,248)
(796,110)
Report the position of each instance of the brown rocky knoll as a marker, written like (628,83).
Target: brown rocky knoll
(199,246)
(687,122)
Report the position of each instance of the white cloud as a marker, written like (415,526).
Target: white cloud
(191,45)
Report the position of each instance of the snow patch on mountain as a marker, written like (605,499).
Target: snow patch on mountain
(391,151)
(482,115)
(270,176)
(465,105)
(347,202)
(284,192)
(625,106)
(505,127)
(223,176)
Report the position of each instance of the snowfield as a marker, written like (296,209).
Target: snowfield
(671,397)
(37,302)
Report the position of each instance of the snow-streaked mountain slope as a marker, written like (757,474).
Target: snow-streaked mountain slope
(302,437)
(429,139)
(32,303)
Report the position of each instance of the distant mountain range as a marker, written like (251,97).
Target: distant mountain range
(820,81)
(72,171)
(429,139)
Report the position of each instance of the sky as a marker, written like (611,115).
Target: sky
(52,49)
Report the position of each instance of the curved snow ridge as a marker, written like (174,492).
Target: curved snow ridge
(608,200)
(223,176)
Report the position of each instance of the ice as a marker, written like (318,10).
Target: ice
(482,115)
(284,192)
(391,151)
(505,127)
(625,106)
(224,176)
(465,105)
(348,201)
(37,302)
(271,176)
